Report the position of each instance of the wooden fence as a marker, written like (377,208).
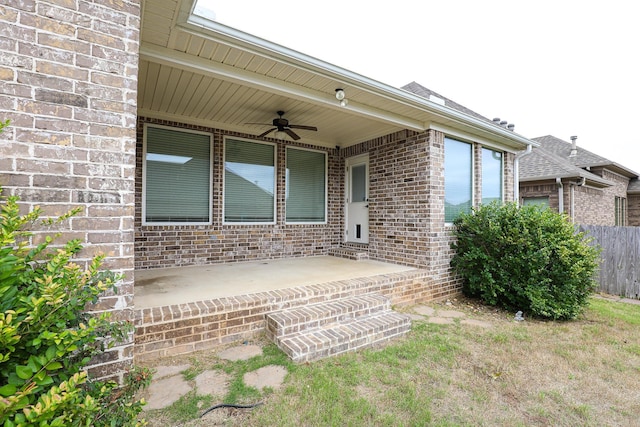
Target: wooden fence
(620,264)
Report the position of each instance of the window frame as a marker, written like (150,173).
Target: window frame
(274,146)
(326,186)
(145,128)
(535,201)
(502,154)
(472,181)
(620,211)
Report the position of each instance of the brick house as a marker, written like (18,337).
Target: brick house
(154,119)
(591,189)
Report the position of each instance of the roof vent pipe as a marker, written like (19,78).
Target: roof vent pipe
(496,120)
(511,126)
(503,123)
(574,149)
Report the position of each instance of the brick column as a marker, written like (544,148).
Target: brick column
(68,83)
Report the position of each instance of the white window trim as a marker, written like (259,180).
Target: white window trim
(326,188)
(275,181)
(144,176)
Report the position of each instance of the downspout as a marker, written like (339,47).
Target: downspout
(560,195)
(573,186)
(516,173)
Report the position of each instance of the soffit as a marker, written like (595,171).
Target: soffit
(191,74)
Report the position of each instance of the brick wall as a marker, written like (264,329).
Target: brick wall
(406,227)
(160,246)
(68,78)
(406,210)
(597,206)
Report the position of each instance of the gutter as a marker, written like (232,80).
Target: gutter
(516,173)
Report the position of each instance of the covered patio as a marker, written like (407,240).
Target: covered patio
(185,309)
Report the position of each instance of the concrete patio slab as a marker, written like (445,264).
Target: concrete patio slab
(177,285)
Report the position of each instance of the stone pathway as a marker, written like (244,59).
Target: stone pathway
(169,384)
(444,317)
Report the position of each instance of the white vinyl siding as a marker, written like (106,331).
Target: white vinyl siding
(306,193)
(249,182)
(177,176)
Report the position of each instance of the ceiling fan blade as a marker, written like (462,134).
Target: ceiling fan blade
(303,127)
(267,132)
(292,134)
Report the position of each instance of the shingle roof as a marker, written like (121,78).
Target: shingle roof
(583,158)
(542,165)
(552,159)
(418,89)
(634,186)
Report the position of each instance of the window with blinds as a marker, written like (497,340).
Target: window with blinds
(177,176)
(306,198)
(249,182)
(491,176)
(458,178)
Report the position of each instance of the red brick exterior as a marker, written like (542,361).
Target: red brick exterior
(68,80)
(68,83)
(406,209)
(585,204)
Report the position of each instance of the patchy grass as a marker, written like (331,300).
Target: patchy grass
(533,373)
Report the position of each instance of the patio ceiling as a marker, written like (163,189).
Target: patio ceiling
(197,71)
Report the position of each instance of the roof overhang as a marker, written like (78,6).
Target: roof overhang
(195,70)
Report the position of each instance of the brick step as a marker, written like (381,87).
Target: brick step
(290,321)
(327,329)
(353,253)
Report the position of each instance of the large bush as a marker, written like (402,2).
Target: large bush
(47,337)
(525,258)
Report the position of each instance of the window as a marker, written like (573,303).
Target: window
(491,176)
(543,202)
(620,209)
(177,176)
(306,186)
(458,178)
(249,182)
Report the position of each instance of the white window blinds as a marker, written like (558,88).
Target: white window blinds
(306,186)
(249,182)
(177,176)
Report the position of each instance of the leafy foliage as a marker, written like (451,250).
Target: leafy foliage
(525,258)
(46,335)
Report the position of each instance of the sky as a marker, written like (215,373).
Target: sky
(550,67)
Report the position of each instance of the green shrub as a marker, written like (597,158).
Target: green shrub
(47,337)
(529,259)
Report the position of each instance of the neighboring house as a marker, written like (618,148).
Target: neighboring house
(146,117)
(590,189)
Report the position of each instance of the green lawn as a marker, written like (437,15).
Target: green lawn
(532,373)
